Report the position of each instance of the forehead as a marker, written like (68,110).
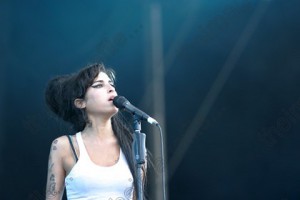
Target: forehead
(102,76)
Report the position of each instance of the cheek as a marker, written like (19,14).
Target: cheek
(94,94)
(95,97)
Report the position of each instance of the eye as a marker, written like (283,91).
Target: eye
(112,84)
(97,86)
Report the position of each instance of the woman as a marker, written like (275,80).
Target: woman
(96,162)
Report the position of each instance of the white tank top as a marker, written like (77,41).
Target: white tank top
(89,181)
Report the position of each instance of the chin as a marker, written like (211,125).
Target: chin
(115,111)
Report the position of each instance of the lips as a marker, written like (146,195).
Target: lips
(111,98)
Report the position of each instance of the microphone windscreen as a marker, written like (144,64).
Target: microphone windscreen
(119,101)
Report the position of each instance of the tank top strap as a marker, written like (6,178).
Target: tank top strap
(82,149)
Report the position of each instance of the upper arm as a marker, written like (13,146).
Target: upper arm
(56,172)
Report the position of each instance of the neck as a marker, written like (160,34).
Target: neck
(99,127)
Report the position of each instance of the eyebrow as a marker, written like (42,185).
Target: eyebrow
(101,81)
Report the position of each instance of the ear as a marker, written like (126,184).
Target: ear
(79,103)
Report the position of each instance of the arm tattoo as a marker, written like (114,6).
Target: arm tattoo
(50,167)
(51,190)
(54,145)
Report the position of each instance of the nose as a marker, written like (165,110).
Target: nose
(111,88)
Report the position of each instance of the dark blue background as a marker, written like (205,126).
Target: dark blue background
(247,147)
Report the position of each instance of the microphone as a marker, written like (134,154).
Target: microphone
(122,103)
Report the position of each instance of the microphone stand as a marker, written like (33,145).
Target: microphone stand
(139,150)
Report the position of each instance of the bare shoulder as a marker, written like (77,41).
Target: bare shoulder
(59,145)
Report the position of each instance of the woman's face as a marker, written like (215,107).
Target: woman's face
(99,96)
